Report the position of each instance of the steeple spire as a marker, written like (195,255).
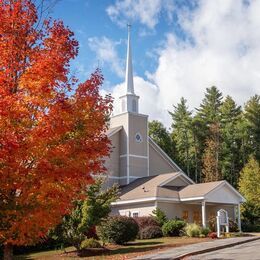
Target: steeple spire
(129,101)
(129,67)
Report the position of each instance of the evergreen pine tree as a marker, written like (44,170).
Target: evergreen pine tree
(230,158)
(206,131)
(252,115)
(182,136)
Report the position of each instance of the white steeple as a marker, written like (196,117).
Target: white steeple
(129,67)
(129,101)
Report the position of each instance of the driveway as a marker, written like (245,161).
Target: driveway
(250,250)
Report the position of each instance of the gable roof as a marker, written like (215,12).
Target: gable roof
(198,190)
(155,188)
(147,187)
(112,131)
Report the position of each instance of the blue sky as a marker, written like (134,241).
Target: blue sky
(180,47)
(89,19)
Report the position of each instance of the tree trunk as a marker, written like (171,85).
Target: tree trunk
(8,252)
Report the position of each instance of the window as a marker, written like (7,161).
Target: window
(197,217)
(185,215)
(138,138)
(135,214)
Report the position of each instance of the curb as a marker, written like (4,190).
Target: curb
(212,249)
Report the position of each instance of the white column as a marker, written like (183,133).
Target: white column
(238,218)
(203,213)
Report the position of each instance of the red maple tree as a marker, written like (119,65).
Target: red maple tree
(50,140)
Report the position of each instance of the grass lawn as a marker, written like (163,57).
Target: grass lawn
(132,249)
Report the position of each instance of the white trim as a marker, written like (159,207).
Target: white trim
(127,151)
(134,155)
(147,141)
(117,129)
(203,213)
(165,156)
(223,183)
(191,199)
(134,212)
(123,177)
(178,175)
(128,112)
(168,159)
(117,178)
(144,200)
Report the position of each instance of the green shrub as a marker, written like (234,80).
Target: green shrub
(192,230)
(90,243)
(150,232)
(160,216)
(118,230)
(173,227)
(205,231)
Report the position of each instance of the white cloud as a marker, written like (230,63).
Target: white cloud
(147,12)
(224,51)
(106,52)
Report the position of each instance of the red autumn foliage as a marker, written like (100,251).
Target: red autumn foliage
(213,235)
(52,131)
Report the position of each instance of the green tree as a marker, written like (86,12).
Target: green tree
(230,133)
(182,136)
(87,213)
(207,134)
(249,186)
(161,136)
(160,216)
(209,110)
(252,115)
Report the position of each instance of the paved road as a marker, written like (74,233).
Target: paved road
(247,251)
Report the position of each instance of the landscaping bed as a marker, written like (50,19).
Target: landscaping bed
(132,249)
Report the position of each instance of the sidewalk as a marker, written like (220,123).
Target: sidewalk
(180,252)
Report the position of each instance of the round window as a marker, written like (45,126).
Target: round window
(138,138)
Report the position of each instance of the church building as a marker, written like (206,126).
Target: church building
(149,178)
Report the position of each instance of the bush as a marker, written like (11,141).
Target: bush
(90,243)
(249,227)
(213,223)
(144,222)
(233,227)
(193,230)
(173,227)
(213,235)
(150,232)
(118,230)
(205,231)
(160,216)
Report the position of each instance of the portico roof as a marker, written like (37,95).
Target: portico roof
(161,188)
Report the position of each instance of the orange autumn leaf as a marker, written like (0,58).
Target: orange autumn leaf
(52,131)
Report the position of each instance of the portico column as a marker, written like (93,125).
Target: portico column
(238,218)
(203,213)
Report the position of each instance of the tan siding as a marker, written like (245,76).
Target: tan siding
(137,124)
(144,209)
(179,181)
(157,164)
(138,167)
(112,163)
